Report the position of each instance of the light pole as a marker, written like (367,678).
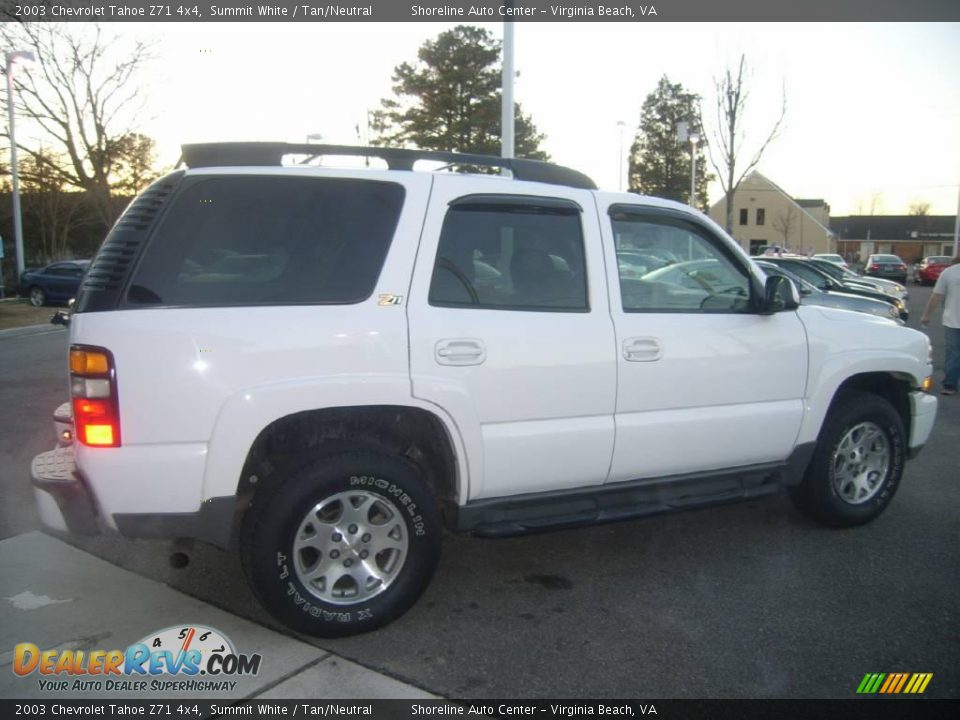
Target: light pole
(620,126)
(12,58)
(694,139)
(507,136)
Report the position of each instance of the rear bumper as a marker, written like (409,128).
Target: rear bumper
(63,499)
(923,412)
(67,500)
(65,503)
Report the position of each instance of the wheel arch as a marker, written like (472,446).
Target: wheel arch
(414,433)
(892,386)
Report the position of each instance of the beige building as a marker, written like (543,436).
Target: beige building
(764,216)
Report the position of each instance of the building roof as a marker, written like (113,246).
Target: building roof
(810,202)
(756,177)
(893,227)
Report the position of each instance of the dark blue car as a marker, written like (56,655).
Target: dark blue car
(55,283)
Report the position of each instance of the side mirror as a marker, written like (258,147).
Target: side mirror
(60,318)
(779,293)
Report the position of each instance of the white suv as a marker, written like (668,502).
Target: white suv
(329,367)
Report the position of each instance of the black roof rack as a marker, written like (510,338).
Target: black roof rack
(271,153)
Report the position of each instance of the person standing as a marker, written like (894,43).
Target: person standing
(947,291)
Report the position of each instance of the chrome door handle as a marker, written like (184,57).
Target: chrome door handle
(642,349)
(460,351)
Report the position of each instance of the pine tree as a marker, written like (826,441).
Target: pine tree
(659,164)
(450,99)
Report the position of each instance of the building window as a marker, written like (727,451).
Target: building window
(743,216)
(761,216)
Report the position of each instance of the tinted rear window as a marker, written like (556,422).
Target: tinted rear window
(247,240)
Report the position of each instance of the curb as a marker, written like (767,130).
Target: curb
(61,597)
(30,330)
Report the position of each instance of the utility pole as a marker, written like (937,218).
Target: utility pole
(506,116)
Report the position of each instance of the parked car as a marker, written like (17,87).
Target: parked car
(812,295)
(833,258)
(822,280)
(849,277)
(244,372)
(886,266)
(929,269)
(56,283)
(637,264)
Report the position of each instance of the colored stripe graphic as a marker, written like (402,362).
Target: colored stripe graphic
(894,683)
(870,683)
(919,683)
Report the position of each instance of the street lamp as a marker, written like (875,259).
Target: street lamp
(694,139)
(621,125)
(12,59)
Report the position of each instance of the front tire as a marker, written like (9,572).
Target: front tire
(857,465)
(342,545)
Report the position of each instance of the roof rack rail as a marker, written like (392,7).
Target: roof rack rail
(271,154)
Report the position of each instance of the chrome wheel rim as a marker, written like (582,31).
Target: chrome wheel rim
(861,463)
(350,547)
(36,297)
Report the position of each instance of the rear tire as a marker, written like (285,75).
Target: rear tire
(857,465)
(343,544)
(37,297)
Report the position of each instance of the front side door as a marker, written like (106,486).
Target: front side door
(705,382)
(511,335)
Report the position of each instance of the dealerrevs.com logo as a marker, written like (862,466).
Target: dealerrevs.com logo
(191,657)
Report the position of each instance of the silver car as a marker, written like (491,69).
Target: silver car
(811,295)
(847,276)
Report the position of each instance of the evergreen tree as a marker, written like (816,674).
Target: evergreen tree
(659,164)
(450,99)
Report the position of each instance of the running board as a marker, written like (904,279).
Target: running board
(542,512)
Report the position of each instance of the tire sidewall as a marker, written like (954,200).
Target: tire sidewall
(272,523)
(860,408)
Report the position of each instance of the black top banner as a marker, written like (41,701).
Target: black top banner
(479,11)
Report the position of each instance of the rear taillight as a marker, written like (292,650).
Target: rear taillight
(874,267)
(93,387)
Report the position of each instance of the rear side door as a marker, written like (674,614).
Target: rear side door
(705,382)
(511,335)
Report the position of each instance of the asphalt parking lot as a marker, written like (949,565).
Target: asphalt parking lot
(750,600)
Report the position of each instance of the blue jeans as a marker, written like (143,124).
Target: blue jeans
(951,360)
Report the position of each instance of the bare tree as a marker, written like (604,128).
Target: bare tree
(783,223)
(731,99)
(53,213)
(874,205)
(919,209)
(83,95)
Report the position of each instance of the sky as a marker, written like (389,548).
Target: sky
(873,109)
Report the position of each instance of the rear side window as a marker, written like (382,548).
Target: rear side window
(253,240)
(511,253)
